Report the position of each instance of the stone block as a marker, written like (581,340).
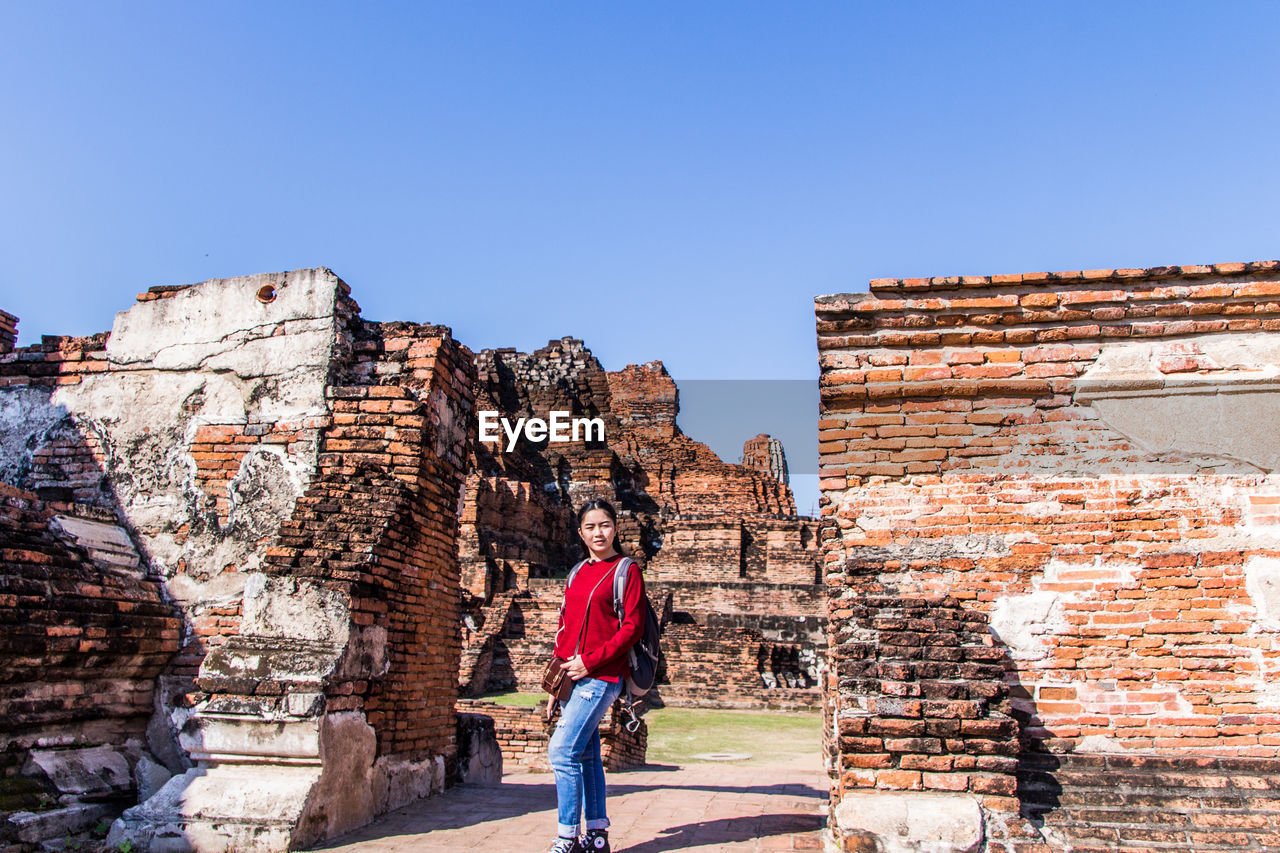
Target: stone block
(34,827)
(479,753)
(911,822)
(91,773)
(149,777)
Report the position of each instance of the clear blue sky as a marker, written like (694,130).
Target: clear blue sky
(663,180)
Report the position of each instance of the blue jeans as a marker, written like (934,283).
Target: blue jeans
(575,755)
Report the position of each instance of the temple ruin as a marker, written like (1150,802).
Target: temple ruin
(252,553)
(726,559)
(258,573)
(1051,525)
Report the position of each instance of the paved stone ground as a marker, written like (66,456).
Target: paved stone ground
(744,807)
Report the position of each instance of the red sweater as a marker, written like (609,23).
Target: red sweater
(606,642)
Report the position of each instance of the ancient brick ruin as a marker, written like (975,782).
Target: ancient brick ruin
(228,570)
(1052,549)
(725,556)
(239,533)
(246,535)
(522,735)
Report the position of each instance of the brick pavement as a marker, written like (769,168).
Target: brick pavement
(743,807)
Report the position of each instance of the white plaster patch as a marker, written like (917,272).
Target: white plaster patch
(1262,581)
(1207,398)
(1100,744)
(26,416)
(913,822)
(294,608)
(1027,623)
(264,491)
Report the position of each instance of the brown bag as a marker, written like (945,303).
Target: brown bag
(556,681)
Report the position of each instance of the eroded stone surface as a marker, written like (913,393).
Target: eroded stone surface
(1202,396)
(910,823)
(91,772)
(286,474)
(1104,433)
(720,541)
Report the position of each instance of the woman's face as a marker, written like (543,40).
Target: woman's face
(597,532)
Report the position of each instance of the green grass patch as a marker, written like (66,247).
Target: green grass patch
(676,735)
(519,700)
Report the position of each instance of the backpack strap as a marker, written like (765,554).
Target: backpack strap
(621,572)
(574,573)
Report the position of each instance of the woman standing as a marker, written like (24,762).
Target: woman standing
(594,643)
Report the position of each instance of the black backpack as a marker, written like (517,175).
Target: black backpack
(643,656)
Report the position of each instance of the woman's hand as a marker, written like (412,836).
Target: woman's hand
(576,669)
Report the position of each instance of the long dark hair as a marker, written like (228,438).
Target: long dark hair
(601,504)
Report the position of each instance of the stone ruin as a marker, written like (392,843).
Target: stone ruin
(232,594)
(1051,526)
(250,545)
(726,559)
(240,530)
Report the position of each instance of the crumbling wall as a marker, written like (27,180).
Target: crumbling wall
(8,332)
(765,453)
(685,515)
(291,475)
(777,550)
(85,634)
(511,530)
(523,735)
(1066,476)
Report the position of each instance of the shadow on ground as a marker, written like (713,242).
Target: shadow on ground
(729,830)
(469,805)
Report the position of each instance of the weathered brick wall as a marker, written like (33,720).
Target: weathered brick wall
(523,735)
(511,530)
(85,633)
(1094,803)
(376,533)
(414,589)
(782,550)
(925,686)
(732,667)
(764,453)
(8,332)
(705,599)
(64,462)
(737,531)
(704,549)
(303,514)
(84,638)
(1072,459)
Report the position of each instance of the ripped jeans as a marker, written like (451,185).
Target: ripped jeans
(574,752)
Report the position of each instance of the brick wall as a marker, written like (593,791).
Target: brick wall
(378,525)
(303,517)
(764,453)
(1095,803)
(85,634)
(8,332)
(696,524)
(523,735)
(1066,464)
(84,639)
(511,530)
